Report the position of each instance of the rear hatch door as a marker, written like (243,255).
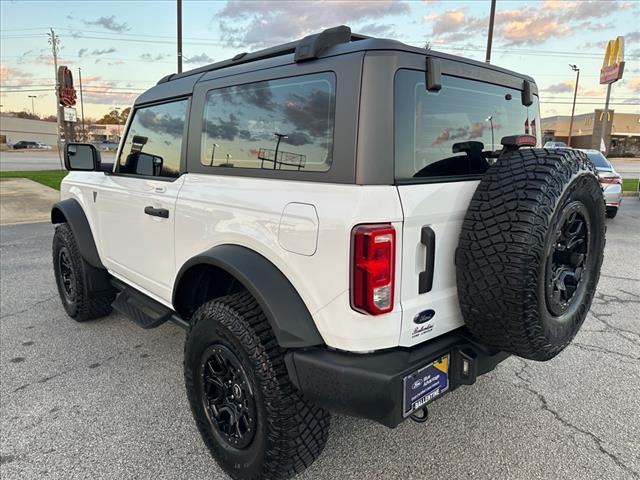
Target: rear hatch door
(443,145)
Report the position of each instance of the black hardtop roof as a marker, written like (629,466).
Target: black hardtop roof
(334,41)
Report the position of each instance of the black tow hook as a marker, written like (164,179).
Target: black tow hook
(420,416)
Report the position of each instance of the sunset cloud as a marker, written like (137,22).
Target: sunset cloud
(446,22)
(109,23)
(262,23)
(201,58)
(525,26)
(563,87)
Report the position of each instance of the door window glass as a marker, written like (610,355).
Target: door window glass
(153,146)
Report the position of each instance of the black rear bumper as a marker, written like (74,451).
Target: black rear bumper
(371,385)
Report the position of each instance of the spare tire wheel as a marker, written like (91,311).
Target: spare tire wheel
(530,251)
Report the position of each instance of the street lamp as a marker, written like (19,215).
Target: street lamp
(33,109)
(490,120)
(573,108)
(275,157)
(213,152)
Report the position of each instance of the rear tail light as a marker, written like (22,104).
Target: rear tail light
(611,180)
(373,268)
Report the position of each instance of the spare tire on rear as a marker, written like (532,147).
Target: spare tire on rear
(530,251)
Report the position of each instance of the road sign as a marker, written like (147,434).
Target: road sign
(70,115)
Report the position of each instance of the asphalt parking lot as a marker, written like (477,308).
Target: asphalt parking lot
(105,399)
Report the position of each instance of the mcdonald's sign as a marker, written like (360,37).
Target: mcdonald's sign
(66,92)
(613,64)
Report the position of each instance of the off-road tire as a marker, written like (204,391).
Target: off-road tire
(507,235)
(85,303)
(291,432)
(612,212)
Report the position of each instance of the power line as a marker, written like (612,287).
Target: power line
(169,40)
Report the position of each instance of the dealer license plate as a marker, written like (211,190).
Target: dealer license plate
(426,384)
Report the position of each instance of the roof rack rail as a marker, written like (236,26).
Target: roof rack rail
(311,46)
(308,48)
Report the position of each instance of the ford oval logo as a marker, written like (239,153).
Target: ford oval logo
(424,316)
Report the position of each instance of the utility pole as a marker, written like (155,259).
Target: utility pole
(213,152)
(275,157)
(33,108)
(179,15)
(490,36)
(54,41)
(573,108)
(84,132)
(490,120)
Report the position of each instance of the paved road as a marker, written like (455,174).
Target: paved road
(40,160)
(105,399)
(627,167)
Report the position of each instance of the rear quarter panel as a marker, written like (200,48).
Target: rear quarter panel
(214,210)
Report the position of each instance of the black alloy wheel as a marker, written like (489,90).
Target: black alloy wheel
(67,275)
(227,396)
(567,258)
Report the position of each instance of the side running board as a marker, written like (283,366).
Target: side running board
(142,309)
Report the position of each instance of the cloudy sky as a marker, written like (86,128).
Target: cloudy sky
(124,47)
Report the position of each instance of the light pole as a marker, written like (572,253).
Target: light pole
(33,109)
(490,120)
(213,152)
(275,157)
(573,108)
(492,16)
(84,132)
(179,33)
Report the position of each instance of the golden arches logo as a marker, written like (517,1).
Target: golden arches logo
(614,54)
(613,64)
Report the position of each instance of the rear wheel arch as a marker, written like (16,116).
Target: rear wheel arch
(228,269)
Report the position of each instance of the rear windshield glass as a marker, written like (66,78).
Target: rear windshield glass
(598,160)
(448,133)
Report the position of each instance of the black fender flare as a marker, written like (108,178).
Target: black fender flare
(285,310)
(70,211)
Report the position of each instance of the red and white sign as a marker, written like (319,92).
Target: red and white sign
(613,65)
(66,93)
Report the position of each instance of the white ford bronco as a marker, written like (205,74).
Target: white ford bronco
(341,224)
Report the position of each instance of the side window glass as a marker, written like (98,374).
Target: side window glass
(153,146)
(282,124)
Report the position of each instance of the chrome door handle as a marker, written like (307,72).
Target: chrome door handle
(160,189)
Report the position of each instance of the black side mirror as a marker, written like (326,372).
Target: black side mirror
(527,93)
(433,74)
(82,157)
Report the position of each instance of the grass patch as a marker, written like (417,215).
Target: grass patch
(630,184)
(50,178)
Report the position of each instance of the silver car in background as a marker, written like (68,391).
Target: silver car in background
(610,180)
(555,145)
